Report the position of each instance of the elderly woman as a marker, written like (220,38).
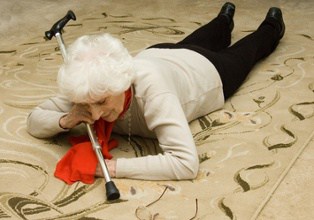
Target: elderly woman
(169,85)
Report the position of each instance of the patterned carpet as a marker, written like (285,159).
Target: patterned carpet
(246,149)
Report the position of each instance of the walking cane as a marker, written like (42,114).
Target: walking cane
(112,191)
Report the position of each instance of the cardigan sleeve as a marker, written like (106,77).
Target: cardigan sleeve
(164,116)
(43,121)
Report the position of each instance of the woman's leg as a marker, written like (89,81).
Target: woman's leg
(214,36)
(235,63)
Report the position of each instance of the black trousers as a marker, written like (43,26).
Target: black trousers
(235,62)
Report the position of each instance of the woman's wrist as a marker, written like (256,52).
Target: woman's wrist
(111,165)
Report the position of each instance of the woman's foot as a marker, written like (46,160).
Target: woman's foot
(276,14)
(228,10)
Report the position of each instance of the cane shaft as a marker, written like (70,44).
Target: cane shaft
(97,149)
(61,45)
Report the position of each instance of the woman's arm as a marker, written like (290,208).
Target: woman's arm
(164,115)
(43,121)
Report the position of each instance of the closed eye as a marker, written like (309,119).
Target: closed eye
(101,102)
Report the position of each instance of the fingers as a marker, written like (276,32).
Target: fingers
(78,114)
(81,113)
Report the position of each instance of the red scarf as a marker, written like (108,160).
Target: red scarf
(80,162)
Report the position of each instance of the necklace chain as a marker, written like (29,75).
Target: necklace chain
(130,118)
(129,126)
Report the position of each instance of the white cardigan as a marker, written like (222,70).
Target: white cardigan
(171,88)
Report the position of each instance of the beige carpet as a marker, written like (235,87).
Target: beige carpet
(249,150)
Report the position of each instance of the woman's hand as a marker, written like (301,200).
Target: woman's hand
(78,114)
(111,165)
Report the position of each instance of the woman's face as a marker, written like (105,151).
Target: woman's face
(108,108)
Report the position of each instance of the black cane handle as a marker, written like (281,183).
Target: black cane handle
(58,26)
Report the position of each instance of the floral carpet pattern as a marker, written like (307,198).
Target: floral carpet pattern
(245,149)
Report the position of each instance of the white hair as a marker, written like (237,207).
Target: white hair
(95,65)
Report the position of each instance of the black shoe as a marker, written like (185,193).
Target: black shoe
(228,10)
(276,14)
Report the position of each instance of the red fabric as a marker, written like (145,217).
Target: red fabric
(80,162)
